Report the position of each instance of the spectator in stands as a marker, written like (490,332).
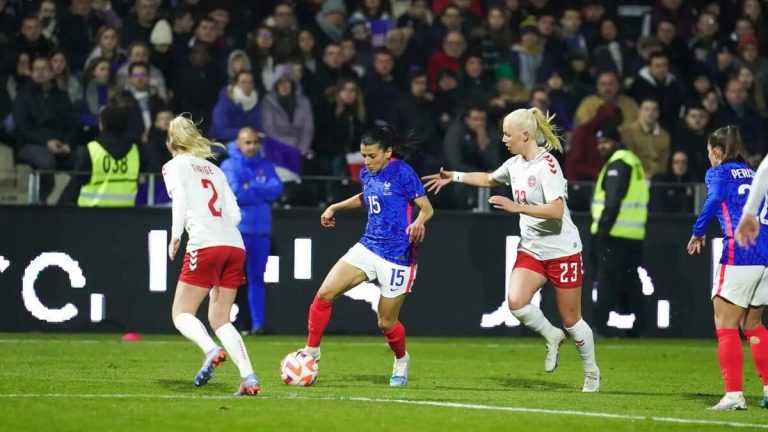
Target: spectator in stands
(472,144)
(284,34)
(700,84)
(609,53)
(406,52)
(583,162)
(451,19)
(107,47)
(155,151)
(329,71)
(532,63)
(680,59)
(607,93)
(113,160)
(755,91)
(377,18)
(752,10)
(593,12)
(238,62)
(161,56)
(656,82)
(493,40)
(22,66)
(237,108)
(105,12)
(447,58)
(45,124)
(138,52)
(360,35)
(259,49)
(713,104)
(705,42)
(350,58)
(329,23)
(198,86)
(143,101)
(475,87)
(308,50)
(736,111)
(225,38)
(63,79)
(286,114)
(339,124)
(138,24)
(31,40)
(99,89)
(648,139)
(690,136)
(78,26)
(416,112)
(570,31)
(509,94)
(672,192)
(255,184)
(47,15)
(749,55)
(9,23)
(381,89)
(676,12)
(723,67)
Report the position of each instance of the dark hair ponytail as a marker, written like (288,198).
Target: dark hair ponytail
(403,146)
(728,140)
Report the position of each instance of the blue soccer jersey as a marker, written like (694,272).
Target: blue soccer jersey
(728,187)
(388,196)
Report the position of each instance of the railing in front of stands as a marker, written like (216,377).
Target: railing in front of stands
(318,191)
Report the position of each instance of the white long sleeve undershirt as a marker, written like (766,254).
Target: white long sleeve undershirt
(758,190)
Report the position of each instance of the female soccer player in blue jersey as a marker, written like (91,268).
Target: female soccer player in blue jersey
(741,276)
(386,254)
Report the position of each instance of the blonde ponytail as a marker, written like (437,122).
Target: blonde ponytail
(184,137)
(545,130)
(539,125)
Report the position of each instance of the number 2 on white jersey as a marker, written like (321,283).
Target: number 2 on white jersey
(571,268)
(763,216)
(374,207)
(212,202)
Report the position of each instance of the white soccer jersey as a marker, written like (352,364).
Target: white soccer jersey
(538,182)
(203,203)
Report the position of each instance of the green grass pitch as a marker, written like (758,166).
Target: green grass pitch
(98,383)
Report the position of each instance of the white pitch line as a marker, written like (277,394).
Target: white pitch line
(405,402)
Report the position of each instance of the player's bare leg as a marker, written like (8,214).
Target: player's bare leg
(757,337)
(388,313)
(186,301)
(219,307)
(523,284)
(342,278)
(569,307)
(728,317)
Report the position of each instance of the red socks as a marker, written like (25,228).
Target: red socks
(758,343)
(319,315)
(396,339)
(731,358)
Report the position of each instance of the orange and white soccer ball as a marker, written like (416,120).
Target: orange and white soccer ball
(299,369)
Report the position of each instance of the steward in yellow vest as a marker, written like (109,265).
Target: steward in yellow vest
(619,215)
(113,161)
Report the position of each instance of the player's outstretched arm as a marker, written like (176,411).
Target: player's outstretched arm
(416,230)
(435,182)
(550,210)
(328,219)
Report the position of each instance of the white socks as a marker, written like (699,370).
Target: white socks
(194,330)
(233,343)
(533,318)
(582,337)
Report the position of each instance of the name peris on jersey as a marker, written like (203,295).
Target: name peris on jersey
(388,196)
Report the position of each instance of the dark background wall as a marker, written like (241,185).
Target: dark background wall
(460,276)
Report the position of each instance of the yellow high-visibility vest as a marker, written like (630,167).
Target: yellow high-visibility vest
(630,223)
(114,182)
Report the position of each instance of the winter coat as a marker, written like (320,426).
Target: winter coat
(229,117)
(255,185)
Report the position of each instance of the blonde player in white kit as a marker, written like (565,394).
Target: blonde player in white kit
(550,248)
(205,206)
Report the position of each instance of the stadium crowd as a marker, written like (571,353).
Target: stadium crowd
(313,74)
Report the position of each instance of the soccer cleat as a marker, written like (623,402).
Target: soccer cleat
(591,382)
(249,386)
(312,351)
(730,403)
(553,352)
(399,376)
(213,359)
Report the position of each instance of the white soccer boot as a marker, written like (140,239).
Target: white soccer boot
(553,352)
